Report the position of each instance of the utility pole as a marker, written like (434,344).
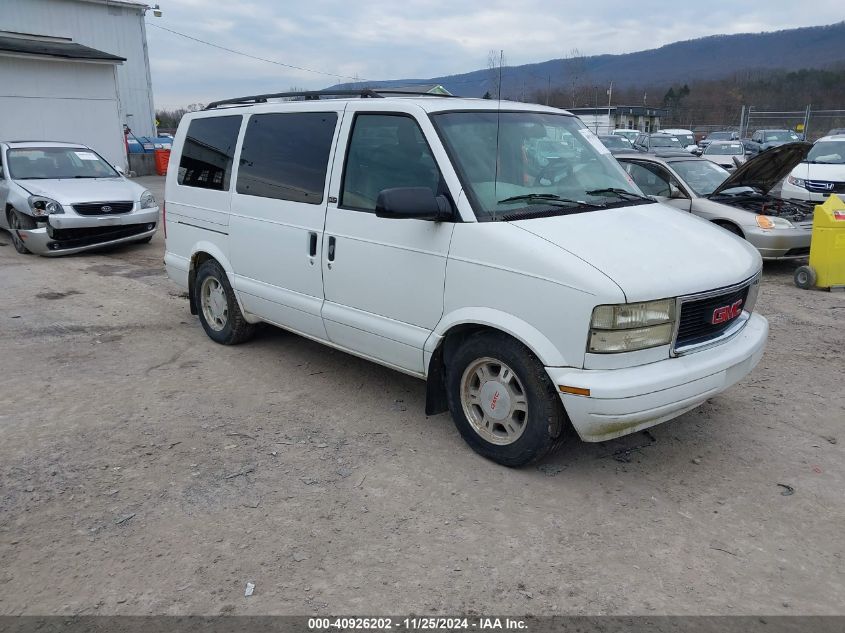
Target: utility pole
(609,97)
(549,90)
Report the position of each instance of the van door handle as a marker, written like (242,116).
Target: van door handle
(312,244)
(331,249)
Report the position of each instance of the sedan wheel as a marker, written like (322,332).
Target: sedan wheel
(16,223)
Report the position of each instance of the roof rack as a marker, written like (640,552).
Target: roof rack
(306,95)
(309,95)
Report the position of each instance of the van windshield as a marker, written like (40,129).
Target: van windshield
(545,164)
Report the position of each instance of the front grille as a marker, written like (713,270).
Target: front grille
(825,186)
(696,320)
(75,238)
(102,208)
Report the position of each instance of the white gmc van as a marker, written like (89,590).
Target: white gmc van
(531,288)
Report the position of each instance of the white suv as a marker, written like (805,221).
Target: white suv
(820,174)
(422,233)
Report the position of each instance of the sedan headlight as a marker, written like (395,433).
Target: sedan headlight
(627,327)
(798,182)
(42,206)
(772,222)
(148,200)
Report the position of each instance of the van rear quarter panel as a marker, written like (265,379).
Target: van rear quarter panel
(501,276)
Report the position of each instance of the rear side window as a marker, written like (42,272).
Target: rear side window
(286,156)
(208,152)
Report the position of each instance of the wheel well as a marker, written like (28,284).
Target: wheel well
(730,226)
(197,260)
(435,392)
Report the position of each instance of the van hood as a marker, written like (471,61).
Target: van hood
(820,171)
(74,190)
(766,169)
(651,251)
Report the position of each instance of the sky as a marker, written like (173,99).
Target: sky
(383,39)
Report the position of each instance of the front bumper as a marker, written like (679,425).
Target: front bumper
(624,401)
(780,243)
(68,234)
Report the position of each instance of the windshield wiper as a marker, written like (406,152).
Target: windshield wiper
(550,197)
(619,193)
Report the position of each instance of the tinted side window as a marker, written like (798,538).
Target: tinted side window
(286,156)
(208,152)
(386,151)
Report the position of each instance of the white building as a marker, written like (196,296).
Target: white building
(605,120)
(75,70)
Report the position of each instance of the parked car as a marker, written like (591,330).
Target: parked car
(628,134)
(726,154)
(659,142)
(767,139)
(62,198)
(529,298)
(739,202)
(836,131)
(686,137)
(725,135)
(821,174)
(752,148)
(615,143)
(147,144)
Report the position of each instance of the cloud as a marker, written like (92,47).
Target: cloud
(384,39)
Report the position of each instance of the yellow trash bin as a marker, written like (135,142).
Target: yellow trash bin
(827,248)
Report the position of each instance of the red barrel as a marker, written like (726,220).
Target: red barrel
(162,157)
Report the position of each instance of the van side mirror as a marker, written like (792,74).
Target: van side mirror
(417,203)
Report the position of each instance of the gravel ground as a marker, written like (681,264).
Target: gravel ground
(146,470)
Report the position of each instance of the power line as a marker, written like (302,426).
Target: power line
(262,59)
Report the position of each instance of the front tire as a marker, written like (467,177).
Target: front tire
(218,309)
(503,402)
(20,222)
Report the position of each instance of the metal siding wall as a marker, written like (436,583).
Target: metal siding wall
(61,101)
(113,29)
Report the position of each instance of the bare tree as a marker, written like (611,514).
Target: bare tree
(577,75)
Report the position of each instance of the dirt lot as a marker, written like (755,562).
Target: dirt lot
(145,469)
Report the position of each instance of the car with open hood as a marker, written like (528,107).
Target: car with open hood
(820,174)
(495,250)
(740,202)
(63,198)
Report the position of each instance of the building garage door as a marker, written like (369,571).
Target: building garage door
(61,100)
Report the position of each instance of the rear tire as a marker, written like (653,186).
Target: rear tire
(218,309)
(805,277)
(503,402)
(20,222)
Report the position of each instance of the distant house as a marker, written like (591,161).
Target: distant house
(605,120)
(429,89)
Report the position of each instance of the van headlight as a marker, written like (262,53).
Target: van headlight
(798,182)
(148,200)
(42,206)
(626,327)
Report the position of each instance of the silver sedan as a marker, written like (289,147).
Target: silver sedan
(738,202)
(63,198)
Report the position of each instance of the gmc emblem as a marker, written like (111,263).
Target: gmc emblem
(726,313)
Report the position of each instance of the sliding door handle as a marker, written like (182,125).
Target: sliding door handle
(331,249)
